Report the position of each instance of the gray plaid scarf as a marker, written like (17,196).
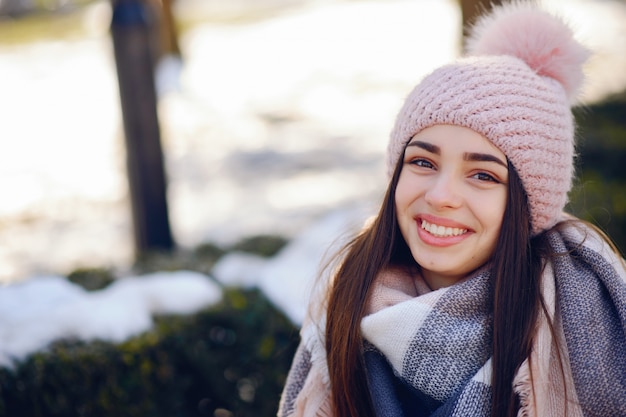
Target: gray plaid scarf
(427,354)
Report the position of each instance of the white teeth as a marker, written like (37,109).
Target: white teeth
(442,231)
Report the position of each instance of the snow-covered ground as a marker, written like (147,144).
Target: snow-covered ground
(274,126)
(35,312)
(38,311)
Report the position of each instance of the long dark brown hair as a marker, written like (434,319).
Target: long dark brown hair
(516,299)
(515,277)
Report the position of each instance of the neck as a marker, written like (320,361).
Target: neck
(436,281)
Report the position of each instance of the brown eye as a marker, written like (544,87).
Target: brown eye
(483,176)
(423,163)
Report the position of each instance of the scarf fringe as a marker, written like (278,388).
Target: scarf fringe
(314,400)
(523,387)
(312,336)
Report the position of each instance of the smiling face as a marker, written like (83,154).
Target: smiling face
(450,201)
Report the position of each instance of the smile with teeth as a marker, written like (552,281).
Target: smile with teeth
(442,231)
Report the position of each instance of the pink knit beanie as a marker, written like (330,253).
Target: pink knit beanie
(515,87)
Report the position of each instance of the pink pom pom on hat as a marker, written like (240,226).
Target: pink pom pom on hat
(515,87)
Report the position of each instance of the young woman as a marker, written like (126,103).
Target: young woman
(471,293)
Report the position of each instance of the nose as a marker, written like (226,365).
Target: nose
(443,193)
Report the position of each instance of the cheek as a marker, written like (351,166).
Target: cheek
(404,193)
(403,201)
(494,212)
(400,200)
(401,210)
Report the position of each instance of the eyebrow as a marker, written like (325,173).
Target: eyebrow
(426,146)
(468,156)
(483,157)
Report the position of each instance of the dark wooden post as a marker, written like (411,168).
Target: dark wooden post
(133,57)
(168,27)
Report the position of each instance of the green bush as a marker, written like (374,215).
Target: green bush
(91,279)
(263,245)
(599,194)
(228,360)
(200,259)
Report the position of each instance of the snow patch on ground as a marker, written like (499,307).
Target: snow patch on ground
(288,278)
(41,310)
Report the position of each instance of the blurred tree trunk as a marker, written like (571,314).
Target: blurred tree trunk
(471,9)
(131,32)
(164,31)
(169,33)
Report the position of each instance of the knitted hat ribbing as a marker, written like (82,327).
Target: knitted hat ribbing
(515,88)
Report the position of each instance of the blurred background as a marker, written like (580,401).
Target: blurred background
(269,129)
(271,113)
